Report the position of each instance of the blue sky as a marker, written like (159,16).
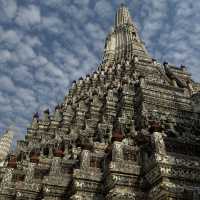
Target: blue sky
(46,44)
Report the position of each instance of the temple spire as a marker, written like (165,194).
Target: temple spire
(5,144)
(122,16)
(123,42)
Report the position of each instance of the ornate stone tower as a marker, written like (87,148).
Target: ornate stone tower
(130,130)
(123,42)
(5,145)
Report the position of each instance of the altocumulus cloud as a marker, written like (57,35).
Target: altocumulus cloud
(28,16)
(44,45)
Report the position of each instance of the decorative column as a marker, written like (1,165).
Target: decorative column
(86,179)
(7,187)
(56,183)
(28,189)
(121,175)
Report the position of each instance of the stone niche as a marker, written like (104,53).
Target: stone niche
(196,102)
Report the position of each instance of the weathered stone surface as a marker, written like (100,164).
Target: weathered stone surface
(128,131)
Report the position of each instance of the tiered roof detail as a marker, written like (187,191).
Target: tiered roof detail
(128,131)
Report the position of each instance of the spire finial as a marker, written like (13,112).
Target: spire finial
(121,42)
(122,16)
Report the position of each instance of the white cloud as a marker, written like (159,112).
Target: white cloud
(39,62)
(22,74)
(95,31)
(81,16)
(32,41)
(28,16)
(27,95)
(51,69)
(72,60)
(24,52)
(103,8)
(5,56)
(6,84)
(52,23)
(4,100)
(8,9)
(82,2)
(6,109)
(54,3)
(10,36)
